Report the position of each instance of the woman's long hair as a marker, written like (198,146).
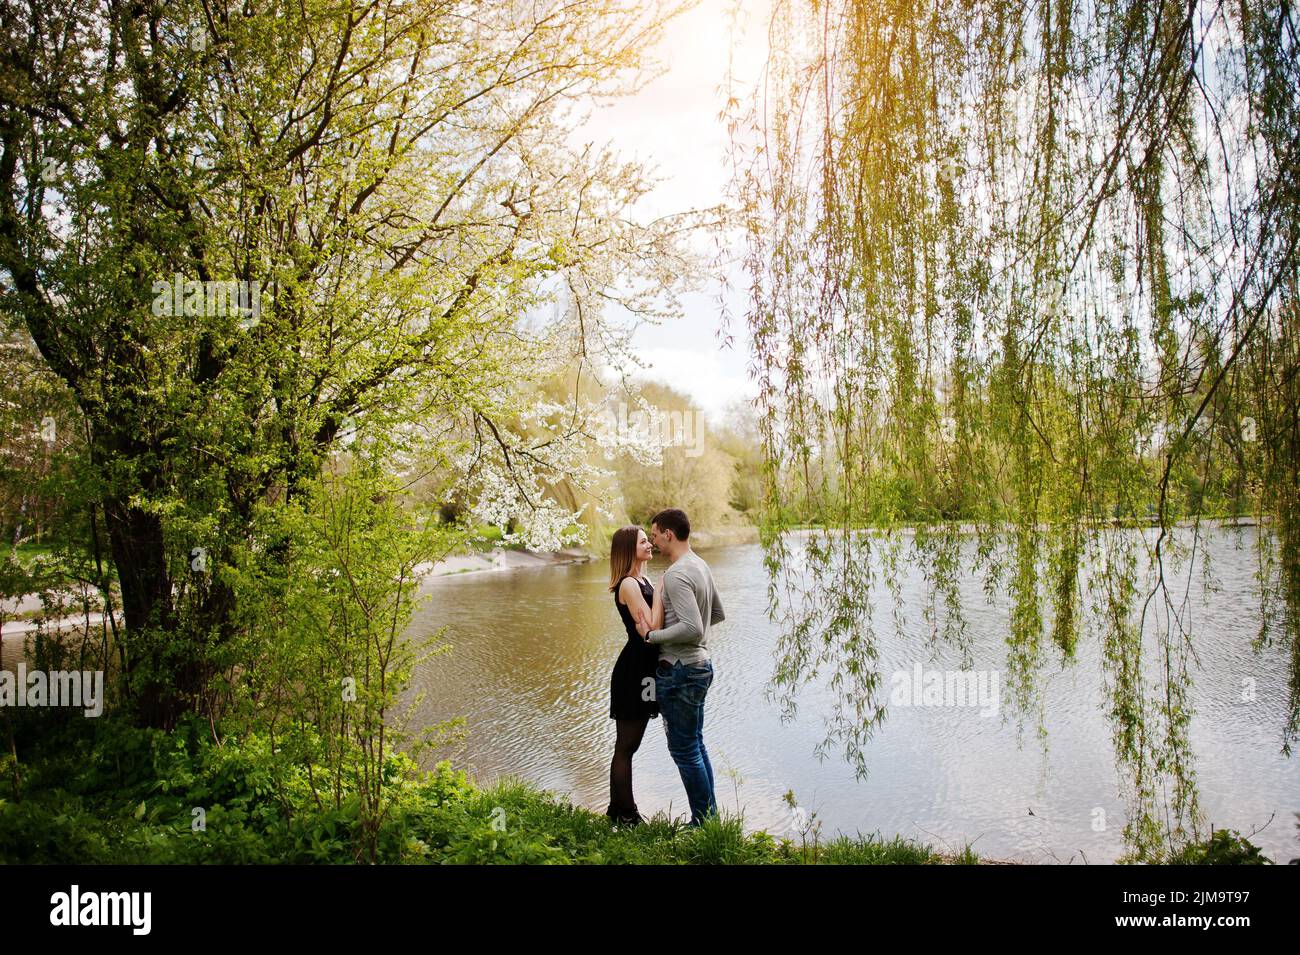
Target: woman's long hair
(622,554)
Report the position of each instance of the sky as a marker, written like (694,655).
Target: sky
(673,124)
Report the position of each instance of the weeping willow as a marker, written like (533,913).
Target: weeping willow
(1023,310)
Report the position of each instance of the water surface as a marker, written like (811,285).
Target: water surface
(533,649)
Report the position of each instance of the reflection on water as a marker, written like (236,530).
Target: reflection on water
(529,672)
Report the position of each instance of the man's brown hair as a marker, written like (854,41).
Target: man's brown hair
(675,520)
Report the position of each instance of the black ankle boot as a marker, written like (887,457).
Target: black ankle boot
(620,819)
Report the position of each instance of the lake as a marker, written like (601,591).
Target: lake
(533,649)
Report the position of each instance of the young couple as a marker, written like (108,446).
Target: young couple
(664,669)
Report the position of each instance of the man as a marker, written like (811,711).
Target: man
(685,672)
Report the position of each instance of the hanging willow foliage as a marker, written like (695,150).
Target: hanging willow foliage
(1023,305)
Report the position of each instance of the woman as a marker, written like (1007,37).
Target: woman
(631,686)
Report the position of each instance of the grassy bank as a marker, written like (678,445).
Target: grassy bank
(104,793)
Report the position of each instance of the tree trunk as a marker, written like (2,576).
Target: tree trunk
(136,540)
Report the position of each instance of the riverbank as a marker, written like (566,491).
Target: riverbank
(22,614)
(110,793)
(102,792)
(501,559)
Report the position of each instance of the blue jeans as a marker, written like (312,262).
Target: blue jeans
(680,690)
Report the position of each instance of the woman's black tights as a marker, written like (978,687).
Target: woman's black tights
(621,804)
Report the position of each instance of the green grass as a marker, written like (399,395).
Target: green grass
(24,616)
(28,553)
(876,850)
(576,835)
(488,537)
(107,793)
(100,792)
(967,856)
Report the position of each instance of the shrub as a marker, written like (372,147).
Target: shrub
(1225,847)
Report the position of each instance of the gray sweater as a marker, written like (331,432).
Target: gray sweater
(691,606)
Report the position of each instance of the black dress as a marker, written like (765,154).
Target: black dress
(635,664)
